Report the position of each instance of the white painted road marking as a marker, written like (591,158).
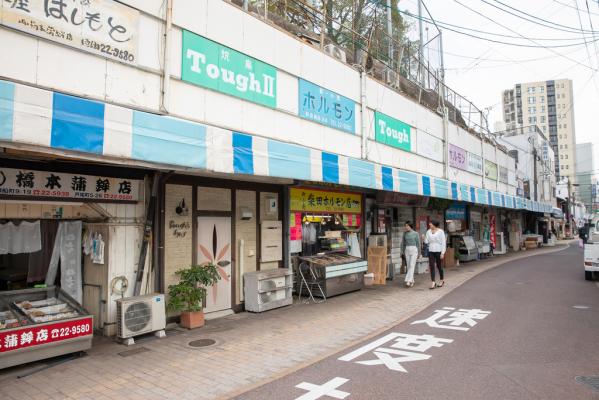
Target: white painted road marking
(407,346)
(327,389)
(455,320)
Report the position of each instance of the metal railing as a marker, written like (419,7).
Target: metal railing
(393,61)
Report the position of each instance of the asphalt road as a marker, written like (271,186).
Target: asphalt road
(532,345)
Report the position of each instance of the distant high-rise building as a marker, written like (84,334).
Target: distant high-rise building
(549,105)
(585,173)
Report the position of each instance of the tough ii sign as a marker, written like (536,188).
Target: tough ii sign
(217,67)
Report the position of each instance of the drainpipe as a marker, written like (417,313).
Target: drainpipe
(482,147)
(363,114)
(445,111)
(166,77)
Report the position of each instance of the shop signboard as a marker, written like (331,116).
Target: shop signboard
(456,211)
(326,107)
(392,132)
(25,183)
(503,174)
(103,27)
(37,335)
(429,146)
(215,66)
(318,201)
(458,157)
(490,170)
(475,164)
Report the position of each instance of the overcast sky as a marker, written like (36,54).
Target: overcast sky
(480,70)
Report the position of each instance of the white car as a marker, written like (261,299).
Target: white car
(591,251)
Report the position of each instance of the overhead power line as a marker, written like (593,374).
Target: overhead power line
(569,6)
(524,37)
(535,20)
(444,24)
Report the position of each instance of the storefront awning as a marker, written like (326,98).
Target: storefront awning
(70,123)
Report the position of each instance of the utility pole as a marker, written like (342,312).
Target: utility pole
(420,45)
(390,33)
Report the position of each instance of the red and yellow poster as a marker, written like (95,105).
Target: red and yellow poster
(319,201)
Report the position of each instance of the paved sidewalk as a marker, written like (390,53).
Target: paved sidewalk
(250,350)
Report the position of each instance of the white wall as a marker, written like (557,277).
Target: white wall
(47,64)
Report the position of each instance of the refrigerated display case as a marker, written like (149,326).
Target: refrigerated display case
(41,323)
(338,273)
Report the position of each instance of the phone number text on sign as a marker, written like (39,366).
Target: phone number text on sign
(38,335)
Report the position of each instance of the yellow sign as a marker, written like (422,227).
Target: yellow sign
(314,200)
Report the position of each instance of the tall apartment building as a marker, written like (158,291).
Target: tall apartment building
(549,105)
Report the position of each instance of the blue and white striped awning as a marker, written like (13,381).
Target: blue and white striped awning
(51,119)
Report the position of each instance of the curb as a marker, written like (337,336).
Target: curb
(314,360)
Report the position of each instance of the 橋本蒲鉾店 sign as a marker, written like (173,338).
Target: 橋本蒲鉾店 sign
(25,183)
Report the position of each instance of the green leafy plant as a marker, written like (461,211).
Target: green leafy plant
(189,294)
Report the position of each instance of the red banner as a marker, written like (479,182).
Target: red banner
(42,334)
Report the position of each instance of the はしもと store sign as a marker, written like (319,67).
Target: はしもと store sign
(314,200)
(59,185)
(392,132)
(37,335)
(326,107)
(217,67)
(103,27)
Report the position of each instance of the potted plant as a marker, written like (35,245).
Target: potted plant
(187,296)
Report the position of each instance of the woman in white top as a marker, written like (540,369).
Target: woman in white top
(435,238)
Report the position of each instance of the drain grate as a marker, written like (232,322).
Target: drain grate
(133,352)
(201,343)
(591,381)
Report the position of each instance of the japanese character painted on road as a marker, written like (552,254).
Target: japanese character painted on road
(405,348)
(455,320)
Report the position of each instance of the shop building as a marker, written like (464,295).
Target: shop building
(230,163)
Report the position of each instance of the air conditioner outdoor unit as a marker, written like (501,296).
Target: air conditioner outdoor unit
(336,52)
(139,315)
